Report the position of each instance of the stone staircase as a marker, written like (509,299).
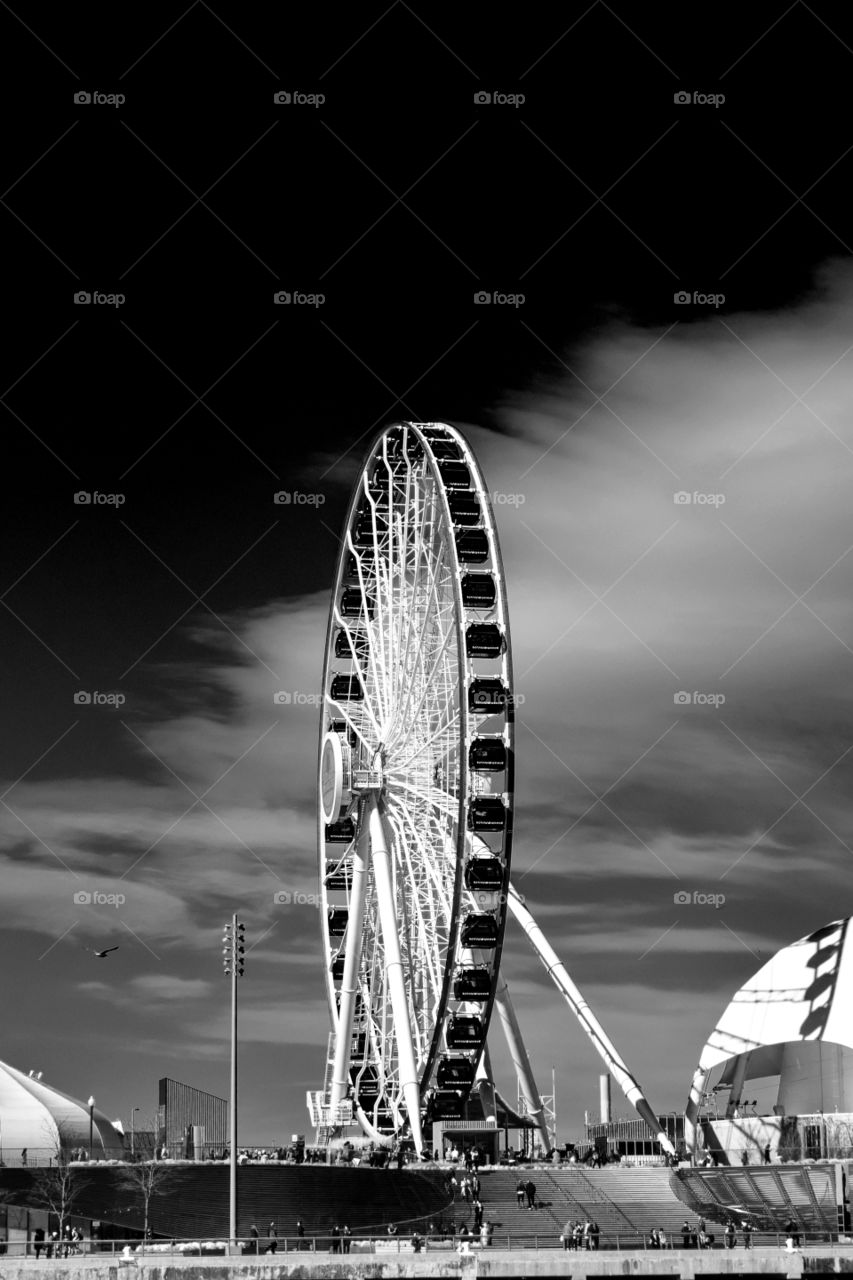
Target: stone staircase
(626,1204)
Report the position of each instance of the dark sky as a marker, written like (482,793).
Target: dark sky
(592,399)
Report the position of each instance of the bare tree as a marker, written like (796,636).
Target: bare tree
(58,1187)
(148,1178)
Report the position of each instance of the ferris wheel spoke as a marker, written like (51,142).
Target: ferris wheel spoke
(407,722)
(405,718)
(442,729)
(433,562)
(407,600)
(427,925)
(367,687)
(447,806)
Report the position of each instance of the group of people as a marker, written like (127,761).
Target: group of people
(467,1187)
(54,1245)
(471,1157)
(696,1236)
(525,1191)
(466,1238)
(271,1239)
(581,1235)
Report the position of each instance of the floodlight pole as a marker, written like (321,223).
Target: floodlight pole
(233,951)
(232,1183)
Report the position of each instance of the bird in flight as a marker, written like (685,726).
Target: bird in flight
(100,954)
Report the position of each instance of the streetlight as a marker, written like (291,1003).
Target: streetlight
(91,1123)
(233,958)
(132,1114)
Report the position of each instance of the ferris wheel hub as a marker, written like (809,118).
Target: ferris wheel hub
(366,780)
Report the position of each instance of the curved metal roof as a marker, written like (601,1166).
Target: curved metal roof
(805,992)
(41,1119)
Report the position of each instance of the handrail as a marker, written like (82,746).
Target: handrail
(362,1241)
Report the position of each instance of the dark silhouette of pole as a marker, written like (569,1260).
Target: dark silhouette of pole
(233,953)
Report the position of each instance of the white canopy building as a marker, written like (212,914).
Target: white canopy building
(792,1019)
(42,1121)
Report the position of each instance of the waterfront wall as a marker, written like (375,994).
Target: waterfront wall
(770,1263)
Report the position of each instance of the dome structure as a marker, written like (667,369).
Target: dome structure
(792,1019)
(41,1120)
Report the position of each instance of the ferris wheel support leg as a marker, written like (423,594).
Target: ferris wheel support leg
(394,970)
(691,1111)
(484,1077)
(349,985)
(558,973)
(521,1062)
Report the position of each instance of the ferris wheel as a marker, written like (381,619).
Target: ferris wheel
(415,813)
(416,781)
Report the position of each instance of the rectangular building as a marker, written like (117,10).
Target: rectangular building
(181,1109)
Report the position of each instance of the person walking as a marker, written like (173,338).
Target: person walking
(346,1235)
(256,1238)
(478,1214)
(746,1229)
(520,1192)
(530,1190)
(38,1241)
(767,1153)
(273,1238)
(685,1234)
(594,1233)
(730,1237)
